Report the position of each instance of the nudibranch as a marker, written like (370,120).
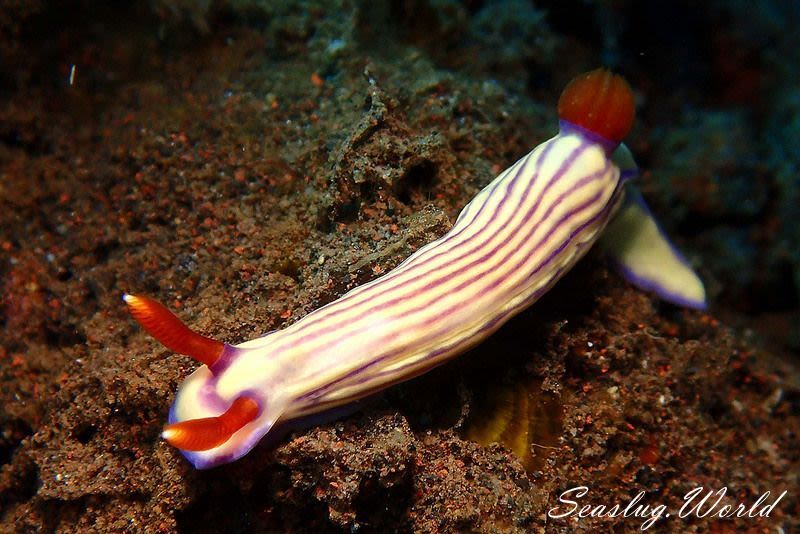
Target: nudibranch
(508,247)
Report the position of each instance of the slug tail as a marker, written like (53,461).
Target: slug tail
(644,255)
(171,332)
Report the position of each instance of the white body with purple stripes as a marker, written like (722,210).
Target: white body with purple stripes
(510,244)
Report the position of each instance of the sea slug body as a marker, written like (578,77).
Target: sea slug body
(508,247)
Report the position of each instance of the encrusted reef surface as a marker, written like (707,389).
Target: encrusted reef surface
(246,162)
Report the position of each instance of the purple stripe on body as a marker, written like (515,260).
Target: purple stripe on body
(490,326)
(494,185)
(403,267)
(649,284)
(479,276)
(342,309)
(499,320)
(439,356)
(569,128)
(603,213)
(433,359)
(481,260)
(516,168)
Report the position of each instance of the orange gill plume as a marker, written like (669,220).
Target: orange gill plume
(599,101)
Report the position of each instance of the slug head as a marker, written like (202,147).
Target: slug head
(221,410)
(220,413)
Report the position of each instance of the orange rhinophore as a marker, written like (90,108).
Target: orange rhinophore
(599,101)
(209,432)
(171,332)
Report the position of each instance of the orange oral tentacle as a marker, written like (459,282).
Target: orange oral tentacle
(210,432)
(163,325)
